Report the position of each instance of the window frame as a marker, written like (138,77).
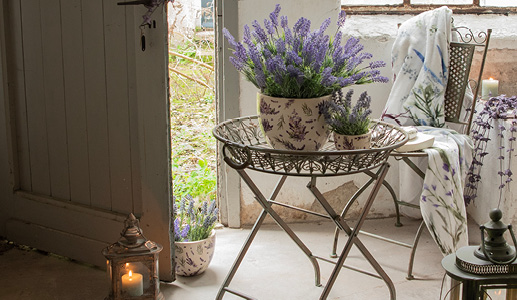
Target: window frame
(407,8)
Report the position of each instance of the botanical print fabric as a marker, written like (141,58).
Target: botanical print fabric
(420,60)
(441,203)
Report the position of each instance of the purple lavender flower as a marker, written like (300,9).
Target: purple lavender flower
(324,26)
(229,36)
(190,210)
(296,73)
(302,27)
(380,79)
(280,46)
(283,22)
(184,233)
(259,32)
(377,64)
(350,44)
(269,26)
(445,167)
(274,15)
(237,63)
(293,58)
(247,35)
(327,79)
(337,40)
(177,229)
(260,77)
(345,81)
(341,19)
(266,53)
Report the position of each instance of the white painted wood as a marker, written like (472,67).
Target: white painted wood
(132,48)
(17,109)
(6,156)
(228,106)
(154,136)
(88,127)
(72,246)
(52,56)
(96,103)
(117,106)
(75,95)
(34,97)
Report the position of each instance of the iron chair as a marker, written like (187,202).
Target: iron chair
(461,55)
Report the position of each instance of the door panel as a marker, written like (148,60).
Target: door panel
(89,115)
(75,95)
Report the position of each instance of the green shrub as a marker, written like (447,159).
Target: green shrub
(201,182)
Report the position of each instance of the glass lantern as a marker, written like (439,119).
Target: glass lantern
(132,265)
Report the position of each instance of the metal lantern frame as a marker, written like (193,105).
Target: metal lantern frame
(492,265)
(133,249)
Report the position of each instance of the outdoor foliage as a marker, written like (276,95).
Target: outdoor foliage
(192,114)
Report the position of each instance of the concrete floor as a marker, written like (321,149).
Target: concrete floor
(274,268)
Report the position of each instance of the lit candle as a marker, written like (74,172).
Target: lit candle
(132,284)
(489,88)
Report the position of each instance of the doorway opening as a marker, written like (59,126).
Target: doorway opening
(192,99)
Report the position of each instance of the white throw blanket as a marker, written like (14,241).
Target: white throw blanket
(441,203)
(420,61)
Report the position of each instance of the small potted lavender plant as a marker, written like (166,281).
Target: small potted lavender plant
(194,237)
(295,70)
(350,124)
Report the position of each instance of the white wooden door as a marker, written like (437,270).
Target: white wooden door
(84,135)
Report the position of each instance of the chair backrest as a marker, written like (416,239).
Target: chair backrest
(461,54)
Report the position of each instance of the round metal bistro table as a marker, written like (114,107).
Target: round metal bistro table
(245,149)
(473,283)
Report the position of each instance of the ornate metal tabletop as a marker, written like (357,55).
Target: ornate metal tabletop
(245,147)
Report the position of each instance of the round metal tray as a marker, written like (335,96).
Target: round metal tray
(245,147)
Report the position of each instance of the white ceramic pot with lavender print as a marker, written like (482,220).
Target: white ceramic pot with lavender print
(352,142)
(193,258)
(292,123)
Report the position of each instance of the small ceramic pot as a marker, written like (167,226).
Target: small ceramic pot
(193,258)
(352,142)
(292,124)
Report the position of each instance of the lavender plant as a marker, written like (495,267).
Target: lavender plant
(299,63)
(343,118)
(191,222)
(495,108)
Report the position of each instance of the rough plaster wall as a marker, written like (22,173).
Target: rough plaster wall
(377,33)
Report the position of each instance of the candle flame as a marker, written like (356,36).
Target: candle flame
(490,78)
(130,274)
(499,292)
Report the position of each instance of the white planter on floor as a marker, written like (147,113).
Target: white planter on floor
(193,258)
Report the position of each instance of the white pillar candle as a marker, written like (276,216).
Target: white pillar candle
(489,88)
(133,284)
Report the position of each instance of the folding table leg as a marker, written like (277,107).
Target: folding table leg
(267,207)
(353,239)
(356,195)
(241,255)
